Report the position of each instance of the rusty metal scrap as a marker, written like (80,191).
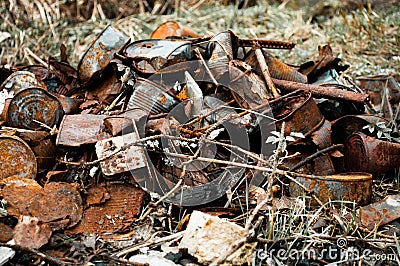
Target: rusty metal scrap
(322,92)
(58,204)
(190,116)
(380,213)
(368,154)
(17,158)
(355,187)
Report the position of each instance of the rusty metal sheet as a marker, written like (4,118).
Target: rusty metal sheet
(21,80)
(172,29)
(127,160)
(16,158)
(58,204)
(31,233)
(77,130)
(356,187)
(6,233)
(30,106)
(368,154)
(100,53)
(277,68)
(150,56)
(300,112)
(322,136)
(381,212)
(151,97)
(116,214)
(249,86)
(223,48)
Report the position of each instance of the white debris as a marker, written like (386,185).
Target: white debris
(208,237)
(4,95)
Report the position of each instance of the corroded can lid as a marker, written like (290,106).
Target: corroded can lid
(31,108)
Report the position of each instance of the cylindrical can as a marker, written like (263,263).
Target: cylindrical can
(16,158)
(371,155)
(355,187)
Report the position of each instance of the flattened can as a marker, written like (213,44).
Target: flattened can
(16,158)
(31,108)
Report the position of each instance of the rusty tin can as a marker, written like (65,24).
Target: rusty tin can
(21,80)
(16,158)
(300,112)
(151,97)
(368,154)
(150,56)
(30,108)
(355,187)
(100,53)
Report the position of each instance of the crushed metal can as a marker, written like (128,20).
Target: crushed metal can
(151,97)
(371,155)
(150,56)
(223,48)
(100,53)
(299,112)
(21,80)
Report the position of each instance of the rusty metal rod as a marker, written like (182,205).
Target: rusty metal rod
(322,92)
(265,72)
(263,43)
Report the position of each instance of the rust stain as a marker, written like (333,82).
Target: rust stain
(116,214)
(58,204)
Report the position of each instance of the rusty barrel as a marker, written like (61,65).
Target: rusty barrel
(16,158)
(368,154)
(355,187)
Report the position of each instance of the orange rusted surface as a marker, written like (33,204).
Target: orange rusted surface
(6,233)
(368,154)
(355,187)
(58,204)
(16,158)
(172,29)
(381,212)
(277,68)
(116,214)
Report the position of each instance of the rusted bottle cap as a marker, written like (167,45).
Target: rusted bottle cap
(16,158)
(30,107)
